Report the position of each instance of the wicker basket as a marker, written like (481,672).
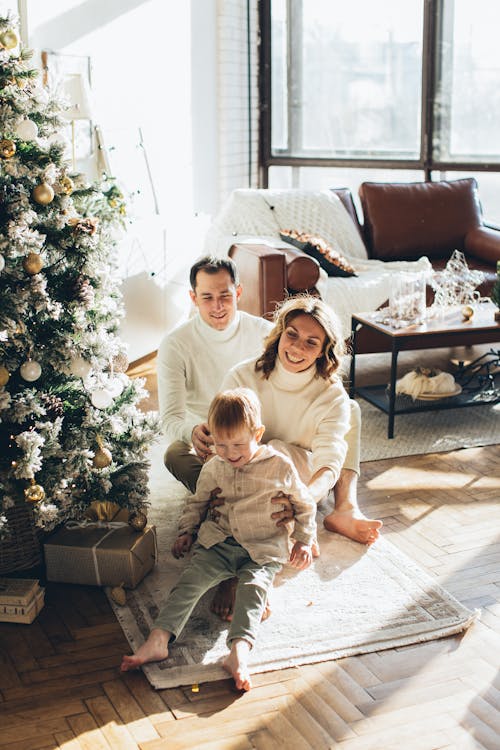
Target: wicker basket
(22,549)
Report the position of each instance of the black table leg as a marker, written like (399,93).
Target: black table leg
(392,389)
(352,373)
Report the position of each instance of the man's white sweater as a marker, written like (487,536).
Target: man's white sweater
(192,362)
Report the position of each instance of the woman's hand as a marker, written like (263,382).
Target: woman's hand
(301,556)
(182,545)
(202,440)
(284,514)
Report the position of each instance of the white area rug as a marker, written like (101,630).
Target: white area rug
(427,432)
(352,600)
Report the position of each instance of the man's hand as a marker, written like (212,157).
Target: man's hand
(202,440)
(301,556)
(214,503)
(284,514)
(182,545)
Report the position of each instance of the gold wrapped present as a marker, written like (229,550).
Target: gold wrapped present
(100,554)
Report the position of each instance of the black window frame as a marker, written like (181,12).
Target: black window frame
(433,29)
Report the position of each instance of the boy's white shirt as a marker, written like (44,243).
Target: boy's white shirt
(246,512)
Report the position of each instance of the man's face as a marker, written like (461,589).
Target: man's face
(216,297)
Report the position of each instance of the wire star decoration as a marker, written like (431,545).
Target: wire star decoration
(456,283)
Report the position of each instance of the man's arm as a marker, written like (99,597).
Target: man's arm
(172,392)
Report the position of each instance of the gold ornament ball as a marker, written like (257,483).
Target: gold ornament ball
(33,263)
(8,39)
(43,194)
(34,493)
(4,376)
(467,312)
(7,148)
(102,458)
(67,185)
(118,595)
(137,520)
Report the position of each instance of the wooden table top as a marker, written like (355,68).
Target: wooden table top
(448,321)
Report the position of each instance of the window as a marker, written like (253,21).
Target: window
(411,86)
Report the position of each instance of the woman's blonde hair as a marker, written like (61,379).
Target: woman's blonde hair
(305,304)
(234,409)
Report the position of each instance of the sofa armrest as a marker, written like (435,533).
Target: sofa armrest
(484,243)
(262,271)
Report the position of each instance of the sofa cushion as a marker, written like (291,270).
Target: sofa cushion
(329,259)
(404,221)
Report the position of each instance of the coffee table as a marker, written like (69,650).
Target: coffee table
(449,329)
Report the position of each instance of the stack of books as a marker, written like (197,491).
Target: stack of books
(20,599)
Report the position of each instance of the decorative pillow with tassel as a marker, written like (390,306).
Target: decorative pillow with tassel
(329,259)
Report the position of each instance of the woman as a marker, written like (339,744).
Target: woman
(304,405)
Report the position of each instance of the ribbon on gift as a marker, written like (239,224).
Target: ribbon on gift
(112,526)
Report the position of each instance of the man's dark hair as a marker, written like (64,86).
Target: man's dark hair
(211,264)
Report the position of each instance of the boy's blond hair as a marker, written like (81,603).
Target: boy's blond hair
(234,409)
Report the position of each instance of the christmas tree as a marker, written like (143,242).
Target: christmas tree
(71,434)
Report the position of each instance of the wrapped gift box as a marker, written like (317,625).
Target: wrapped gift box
(20,600)
(100,554)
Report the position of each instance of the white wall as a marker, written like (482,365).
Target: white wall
(178,71)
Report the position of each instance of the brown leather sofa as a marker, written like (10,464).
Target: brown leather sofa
(402,221)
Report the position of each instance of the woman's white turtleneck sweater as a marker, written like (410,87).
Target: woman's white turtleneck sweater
(192,362)
(301,409)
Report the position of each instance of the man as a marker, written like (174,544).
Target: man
(192,362)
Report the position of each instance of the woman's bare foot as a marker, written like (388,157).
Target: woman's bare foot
(223,601)
(363,530)
(236,664)
(154,649)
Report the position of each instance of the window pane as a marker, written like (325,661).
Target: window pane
(468,97)
(488,190)
(354,86)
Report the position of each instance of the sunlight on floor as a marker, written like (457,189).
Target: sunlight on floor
(418,478)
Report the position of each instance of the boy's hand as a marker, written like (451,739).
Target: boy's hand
(301,556)
(182,545)
(214,501)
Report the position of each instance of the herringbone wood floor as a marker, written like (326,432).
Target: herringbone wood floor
(60,685)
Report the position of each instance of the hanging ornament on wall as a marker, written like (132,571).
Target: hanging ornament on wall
(33,263)
(80,367)
(30,370)
(43,194)
(2,263)
(26,130)
(34,493)
(7,148)
(101,398)
(4,376)
(8,39)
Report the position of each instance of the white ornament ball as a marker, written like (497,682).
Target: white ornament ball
(101,398)
(2,263)
(30,370)
(80,367)
(27,130)
(115,387)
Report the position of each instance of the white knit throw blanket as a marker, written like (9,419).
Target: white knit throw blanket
(257,216)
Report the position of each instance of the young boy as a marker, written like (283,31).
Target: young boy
(239,538)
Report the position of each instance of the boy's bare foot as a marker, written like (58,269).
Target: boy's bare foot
(154,649)
(363,530)
(236,664)
(223,601)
